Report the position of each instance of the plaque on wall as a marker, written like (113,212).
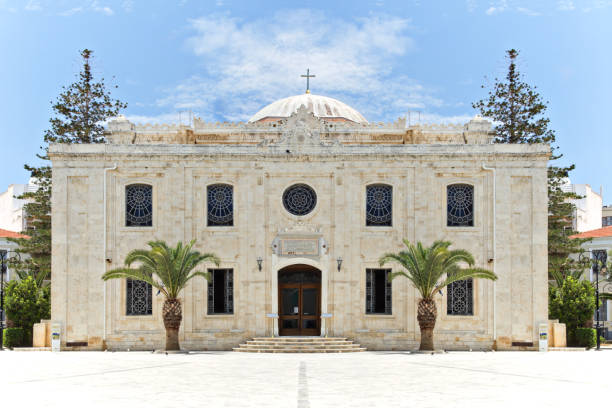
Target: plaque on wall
(299,247)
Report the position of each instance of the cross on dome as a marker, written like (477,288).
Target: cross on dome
(308,76)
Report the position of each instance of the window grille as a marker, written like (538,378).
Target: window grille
(460,205)
(221,291)
(378,291)
(139,299)
(299,199)
(220,205)
(460,298)
(139,205)
(379,204)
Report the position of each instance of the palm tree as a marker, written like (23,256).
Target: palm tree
(430,270)
(168,270)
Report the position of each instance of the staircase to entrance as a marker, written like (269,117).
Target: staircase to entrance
(299,345)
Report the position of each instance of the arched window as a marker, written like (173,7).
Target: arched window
(220,205)
(138,205)
(299,199)
(460,298)
(460,205)
(139,298)
(379,205)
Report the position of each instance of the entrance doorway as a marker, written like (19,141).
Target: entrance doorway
(299,301)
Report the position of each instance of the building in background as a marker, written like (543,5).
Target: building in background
(601,240)
(606,216)
(588,211)
(12,215)
(6,245)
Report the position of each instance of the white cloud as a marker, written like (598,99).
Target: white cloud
(247,65)
(33,6)
(498,7)
(71,11)
(101,9)
(128,5)
(174,117)
(426,117)
(566,5)
(527,11)
(471,5)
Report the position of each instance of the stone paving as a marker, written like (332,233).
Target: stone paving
(370,379)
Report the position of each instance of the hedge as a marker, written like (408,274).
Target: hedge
(585,337)
(14,337)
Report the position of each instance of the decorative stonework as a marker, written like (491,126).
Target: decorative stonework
(301,128)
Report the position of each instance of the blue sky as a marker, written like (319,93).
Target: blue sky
(225,59)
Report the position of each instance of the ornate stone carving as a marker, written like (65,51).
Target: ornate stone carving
(300,239)
(301,129)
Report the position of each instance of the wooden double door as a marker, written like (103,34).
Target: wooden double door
(299,309)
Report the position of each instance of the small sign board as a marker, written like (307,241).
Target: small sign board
(273,315)
(55,336)
(299,247)
(543,336)
(326,315)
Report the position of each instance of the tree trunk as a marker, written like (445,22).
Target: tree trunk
(426,317)
(172,315)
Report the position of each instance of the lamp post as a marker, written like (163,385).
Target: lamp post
(4,257)
(598,263)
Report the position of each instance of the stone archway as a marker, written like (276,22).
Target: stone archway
(299,300)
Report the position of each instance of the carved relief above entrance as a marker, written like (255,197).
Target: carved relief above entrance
(300,240)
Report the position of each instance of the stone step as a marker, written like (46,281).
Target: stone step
(299,343)
(294,347)
(300,339)
(258,350)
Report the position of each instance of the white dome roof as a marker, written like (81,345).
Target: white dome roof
(321,106)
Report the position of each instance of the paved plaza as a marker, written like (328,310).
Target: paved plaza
(370,379)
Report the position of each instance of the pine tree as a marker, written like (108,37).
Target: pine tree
(80,112)
(560,227)
(516,108)
(518,111)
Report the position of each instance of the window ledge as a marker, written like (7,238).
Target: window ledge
(460,317)
(217,228)
(462,229)
(370,228)
(379,315)
(136,229)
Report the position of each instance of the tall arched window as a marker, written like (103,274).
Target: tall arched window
(220,205)
(138,205)
(379,205)
(460,205)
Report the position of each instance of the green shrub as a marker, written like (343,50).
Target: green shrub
(26,303)
(585,337)
(14,337)
(573,304)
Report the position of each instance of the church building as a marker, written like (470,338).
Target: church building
(299,203)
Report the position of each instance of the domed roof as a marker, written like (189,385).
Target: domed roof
(321,106)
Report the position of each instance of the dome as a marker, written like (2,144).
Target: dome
(321,106)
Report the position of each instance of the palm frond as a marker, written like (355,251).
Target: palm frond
(168,269)
(432,268)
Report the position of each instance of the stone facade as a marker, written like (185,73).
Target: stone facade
(337,160)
